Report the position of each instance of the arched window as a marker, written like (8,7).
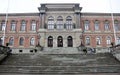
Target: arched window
(50,22)
(21,41)
(87,41)
(11,41)
(108,41)
(3,25)
(116,25)
(60,22)
(23,26)
(50,41)
(13,25)
(97,26)
(32,41)
(106,25)
(33,25)
(86,25)
(69,22)
(118,40)
(98,41)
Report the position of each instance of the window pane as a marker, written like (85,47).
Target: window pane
(59,23)
(97,25)
(68,22)
(23,25)
(32,41)
(87,41)
(118,40)
(116,25)
(106,25)
(108,41)
(1,40)
(11,40)
(86,25)
(33,25)
(13,24)
(3,25)
(21,42)
(51,23)
(98,41)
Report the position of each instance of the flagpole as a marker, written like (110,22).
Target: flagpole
(6,19)
(114,31)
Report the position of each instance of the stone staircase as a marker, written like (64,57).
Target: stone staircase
(60,64)
(61,50)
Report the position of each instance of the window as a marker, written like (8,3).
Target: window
(3,25)
(23,25)
(87,41)
(106,24)
(1,40)
(86,25)
(13,25)
(59,22)
(108,40)
(50,22)
(32,41)
(11,41)
(33,26)
(116,25)
(21,42)
(69,22)
(118,40)
(98,42)
(97,27)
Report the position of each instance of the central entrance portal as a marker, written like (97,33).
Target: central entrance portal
(60,41)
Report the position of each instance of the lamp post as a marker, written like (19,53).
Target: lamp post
(6,19)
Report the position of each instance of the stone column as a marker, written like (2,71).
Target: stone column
(65,44)
(77,20)
(42,18)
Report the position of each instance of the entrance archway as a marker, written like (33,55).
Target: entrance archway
(50,41)
(70,41)
(60,41)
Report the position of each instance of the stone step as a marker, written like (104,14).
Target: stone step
(60,69)
(60,63)
(90,59)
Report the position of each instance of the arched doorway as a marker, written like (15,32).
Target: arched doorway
(70,41)
(60,41)
(50,41)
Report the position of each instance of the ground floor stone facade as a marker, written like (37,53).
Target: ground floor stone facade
(60,38)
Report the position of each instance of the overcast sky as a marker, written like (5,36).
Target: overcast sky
(30,6)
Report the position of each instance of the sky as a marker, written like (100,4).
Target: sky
(31,6)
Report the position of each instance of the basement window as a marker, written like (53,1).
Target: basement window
(20,51)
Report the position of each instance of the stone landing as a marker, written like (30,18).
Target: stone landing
(61,50)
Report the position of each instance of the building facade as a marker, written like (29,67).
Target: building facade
(59,25)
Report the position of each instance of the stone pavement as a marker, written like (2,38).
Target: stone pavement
(57,64)
(64,74)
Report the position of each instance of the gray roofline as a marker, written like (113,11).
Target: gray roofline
(82,13)
(20,14)
(99,14)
